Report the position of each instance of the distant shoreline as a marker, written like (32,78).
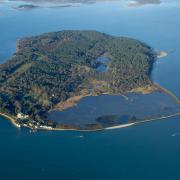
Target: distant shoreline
(139,3)
(71,3)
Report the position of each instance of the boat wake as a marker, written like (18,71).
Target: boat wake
(175,134)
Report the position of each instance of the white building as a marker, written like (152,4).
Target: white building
(22,116)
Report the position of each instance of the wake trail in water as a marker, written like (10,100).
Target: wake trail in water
(175,134)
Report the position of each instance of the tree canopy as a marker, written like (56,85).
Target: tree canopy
(50,68)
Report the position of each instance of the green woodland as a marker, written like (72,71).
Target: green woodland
(50,68)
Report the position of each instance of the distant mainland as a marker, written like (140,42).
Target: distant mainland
(64,3)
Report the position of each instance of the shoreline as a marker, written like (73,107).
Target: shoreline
(156,87)
(122,125)
(171,94)
(12,120)
(145,121)
(162,54)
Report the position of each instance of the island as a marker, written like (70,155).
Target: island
(26,7)
(137,3)
(133,3)
(103,77)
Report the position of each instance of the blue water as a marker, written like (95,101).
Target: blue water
(103,67)
(89,109)
(144,152)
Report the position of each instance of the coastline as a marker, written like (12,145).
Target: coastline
(145,121)
(138,3)
(162,54)
(11,119)
(176,99)
(144,90)
(120,126)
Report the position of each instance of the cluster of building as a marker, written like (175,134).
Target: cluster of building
(32,124)
(22,116)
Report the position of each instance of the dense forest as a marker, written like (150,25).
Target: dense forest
(52,67)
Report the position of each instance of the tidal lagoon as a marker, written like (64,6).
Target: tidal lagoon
(144,151)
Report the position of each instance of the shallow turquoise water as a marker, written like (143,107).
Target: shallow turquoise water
(148,151)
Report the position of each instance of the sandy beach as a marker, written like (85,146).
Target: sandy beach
(162,54)
(120,126)
(13,121)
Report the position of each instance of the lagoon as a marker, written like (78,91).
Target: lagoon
(113,110)
(146,151)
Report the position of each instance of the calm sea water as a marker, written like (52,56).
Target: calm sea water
(148,151)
